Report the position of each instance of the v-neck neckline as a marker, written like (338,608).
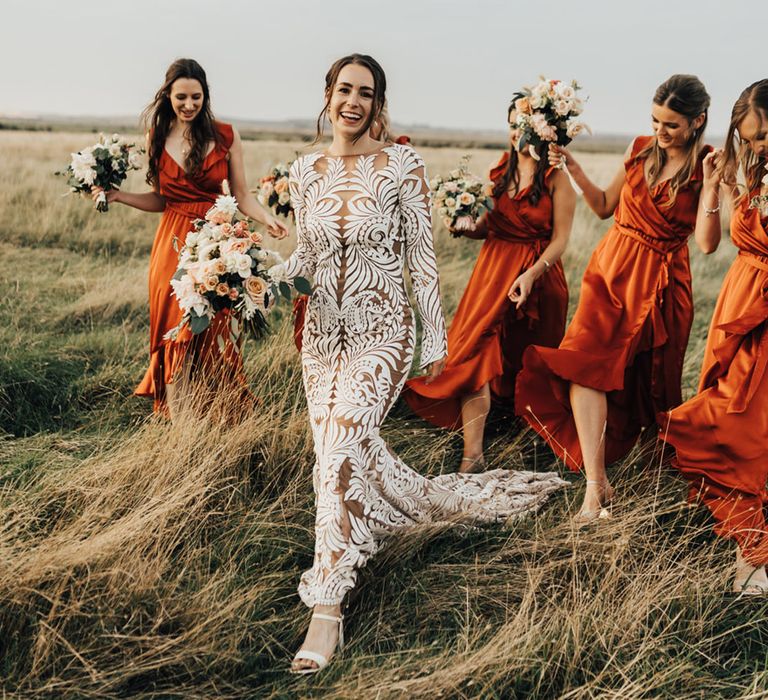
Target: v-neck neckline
(180,167)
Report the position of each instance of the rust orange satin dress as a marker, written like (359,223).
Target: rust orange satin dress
(488,335)
(721,434)
(186,199)
(630,330)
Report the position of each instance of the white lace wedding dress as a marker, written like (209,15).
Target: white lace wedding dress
(359,220)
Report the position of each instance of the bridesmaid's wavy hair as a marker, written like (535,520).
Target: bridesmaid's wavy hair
(159,116)
(511,176)
(379,90)
(737,153)
(686,95)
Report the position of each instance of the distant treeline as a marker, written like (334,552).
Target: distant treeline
(421,136)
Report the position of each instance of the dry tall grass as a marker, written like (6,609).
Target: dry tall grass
(147,560)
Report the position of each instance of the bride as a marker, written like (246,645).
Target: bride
(363,213)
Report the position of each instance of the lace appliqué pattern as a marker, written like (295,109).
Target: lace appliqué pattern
(360,221)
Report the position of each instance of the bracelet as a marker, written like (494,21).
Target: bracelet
(708,212)
(546,263)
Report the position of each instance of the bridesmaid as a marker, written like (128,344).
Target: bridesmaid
(721,435)
(620,362)
(517,296)
(190,154)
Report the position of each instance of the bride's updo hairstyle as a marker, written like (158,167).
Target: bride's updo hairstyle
(379,90)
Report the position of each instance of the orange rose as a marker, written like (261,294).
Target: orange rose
(222,289)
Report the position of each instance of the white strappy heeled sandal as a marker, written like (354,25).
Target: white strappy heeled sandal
(319,659)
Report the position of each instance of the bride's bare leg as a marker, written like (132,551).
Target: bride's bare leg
(474,411)
(590,412)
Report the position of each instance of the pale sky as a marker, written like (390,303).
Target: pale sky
(448,64)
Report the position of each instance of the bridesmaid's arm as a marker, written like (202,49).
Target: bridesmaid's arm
(564,205)
(602,202)
(420,258)
(247,203)
(144,201)
(708,229)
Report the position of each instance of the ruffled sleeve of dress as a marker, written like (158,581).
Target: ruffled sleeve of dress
(303,260)
(416,222)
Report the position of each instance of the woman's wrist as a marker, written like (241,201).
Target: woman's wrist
(710,199)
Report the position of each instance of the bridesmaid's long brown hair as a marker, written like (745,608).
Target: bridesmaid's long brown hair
(158,117)
(752,99)
(686,95)
(511,175)
(379,90)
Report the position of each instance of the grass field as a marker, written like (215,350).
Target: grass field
(141,559)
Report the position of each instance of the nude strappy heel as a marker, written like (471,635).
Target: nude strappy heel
(477,464)
(583,517)
(319,659)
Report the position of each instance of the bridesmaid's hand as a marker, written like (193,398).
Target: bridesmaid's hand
(112,195)
(713,168)
(275,228)
(559,156)
(521,288)
(435,370)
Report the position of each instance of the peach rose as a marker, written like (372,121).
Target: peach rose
(281,185)
(219,268)
(217,217)
(222,289)
(255,237)
(523,105)
(255,287)
(233,294)
(210,283)
(241,229)
(227,229)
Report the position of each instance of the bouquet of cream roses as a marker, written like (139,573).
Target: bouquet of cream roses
(546,113)
(461,198)
(105,164)
(760,201)
(273,190)
(223,266)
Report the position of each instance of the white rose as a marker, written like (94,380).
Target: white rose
(284,198)
(85,175)
(115,150)
(134,161)
(562,107)
(450,202)
(241,264)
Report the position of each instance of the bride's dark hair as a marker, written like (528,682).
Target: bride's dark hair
(379,90)
(159,115)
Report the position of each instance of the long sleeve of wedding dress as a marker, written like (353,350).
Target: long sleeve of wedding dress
(360,220)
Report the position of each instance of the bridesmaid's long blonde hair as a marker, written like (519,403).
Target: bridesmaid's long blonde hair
(738,155)
(686,95)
